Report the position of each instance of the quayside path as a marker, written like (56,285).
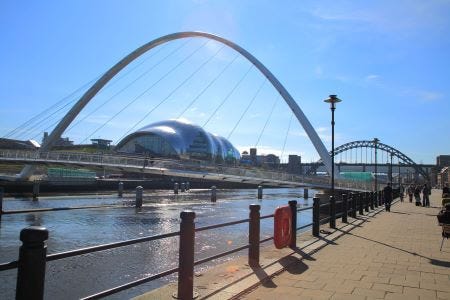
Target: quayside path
(381,255)
(393,255)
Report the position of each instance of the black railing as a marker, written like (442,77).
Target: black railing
(33,257)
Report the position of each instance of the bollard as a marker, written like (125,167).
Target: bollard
(254,235)
(260,192)
(332,212)
(1,203)
(31,265)
(316,216)
(293,206)
(360,204)
(305,194)
(186,256)
(188,186)
(175,188)
(375,201)
(380,201)
(372,206)
(35,190)
(120,190)
(213,194)
(344,208)
(366,201)
(183,187)
(353,195)
(139,192)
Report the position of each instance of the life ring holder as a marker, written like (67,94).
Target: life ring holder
(282,227)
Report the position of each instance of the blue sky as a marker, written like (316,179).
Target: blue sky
(387,60)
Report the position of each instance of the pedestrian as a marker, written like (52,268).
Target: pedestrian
(425,196)
(387,194)
(410,193)
(417,195)
(445,191)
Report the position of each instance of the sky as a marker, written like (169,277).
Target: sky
(387,60)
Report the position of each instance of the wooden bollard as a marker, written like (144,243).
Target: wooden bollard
(120,190)
(305,194)
(139,192)
(213,194)
(35,190)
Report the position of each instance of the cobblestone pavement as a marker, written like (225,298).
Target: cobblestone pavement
(394,255)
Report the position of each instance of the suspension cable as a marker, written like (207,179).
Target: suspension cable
(146,90)
(174,90)
(228,95)
(247,108)
(286,136)
(131,83)
(267,120)
(208,85)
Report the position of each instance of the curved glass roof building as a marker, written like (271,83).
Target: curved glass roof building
(178,139)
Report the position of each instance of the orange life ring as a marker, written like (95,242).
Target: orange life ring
(282,228)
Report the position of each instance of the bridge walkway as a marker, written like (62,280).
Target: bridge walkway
(393,255)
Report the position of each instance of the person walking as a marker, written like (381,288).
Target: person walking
(387,194)
(417,195)
(425,196)
(410,193)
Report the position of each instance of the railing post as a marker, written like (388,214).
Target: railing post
(332,212)
(293,206)
(260,192)
(316,216)
(366,201)
(253,235)
(372,207)
(139,192)
(1,202)
(360,204)
(354,198)
(186,256)
(31,266)
(344,208)
(120,189)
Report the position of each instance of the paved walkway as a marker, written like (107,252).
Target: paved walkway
(390,256)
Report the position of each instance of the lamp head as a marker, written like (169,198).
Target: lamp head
(332,100)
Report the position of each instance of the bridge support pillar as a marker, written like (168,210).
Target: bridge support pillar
(120,190)
(175,188)
(213,194)
(139,192)
(305,194)
(260,192)
(35,190)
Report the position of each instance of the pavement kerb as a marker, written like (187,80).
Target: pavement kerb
(234,278)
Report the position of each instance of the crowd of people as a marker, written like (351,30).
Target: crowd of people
(415,191)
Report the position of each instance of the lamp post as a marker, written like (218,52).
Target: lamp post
(391,171)
(375,142)
(332,100)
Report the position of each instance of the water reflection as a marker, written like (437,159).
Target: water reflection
(75,277)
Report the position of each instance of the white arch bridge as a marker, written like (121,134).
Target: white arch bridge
(176,168)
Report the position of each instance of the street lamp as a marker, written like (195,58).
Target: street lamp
(332,100)
(375,142)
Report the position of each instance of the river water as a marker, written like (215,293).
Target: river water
(84,275)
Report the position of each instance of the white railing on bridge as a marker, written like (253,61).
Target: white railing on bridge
(242,173)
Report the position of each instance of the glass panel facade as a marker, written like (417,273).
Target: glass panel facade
(149,144)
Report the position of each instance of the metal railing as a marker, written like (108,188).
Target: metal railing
(32,254)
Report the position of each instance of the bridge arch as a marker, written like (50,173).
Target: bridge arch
(100,83)
(380,146)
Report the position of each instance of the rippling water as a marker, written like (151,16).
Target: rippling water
(77,277)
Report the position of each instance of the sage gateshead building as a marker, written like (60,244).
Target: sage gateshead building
(178,140)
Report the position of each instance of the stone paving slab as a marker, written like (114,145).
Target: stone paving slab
(394,255)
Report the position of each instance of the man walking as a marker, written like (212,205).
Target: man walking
(387,193)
